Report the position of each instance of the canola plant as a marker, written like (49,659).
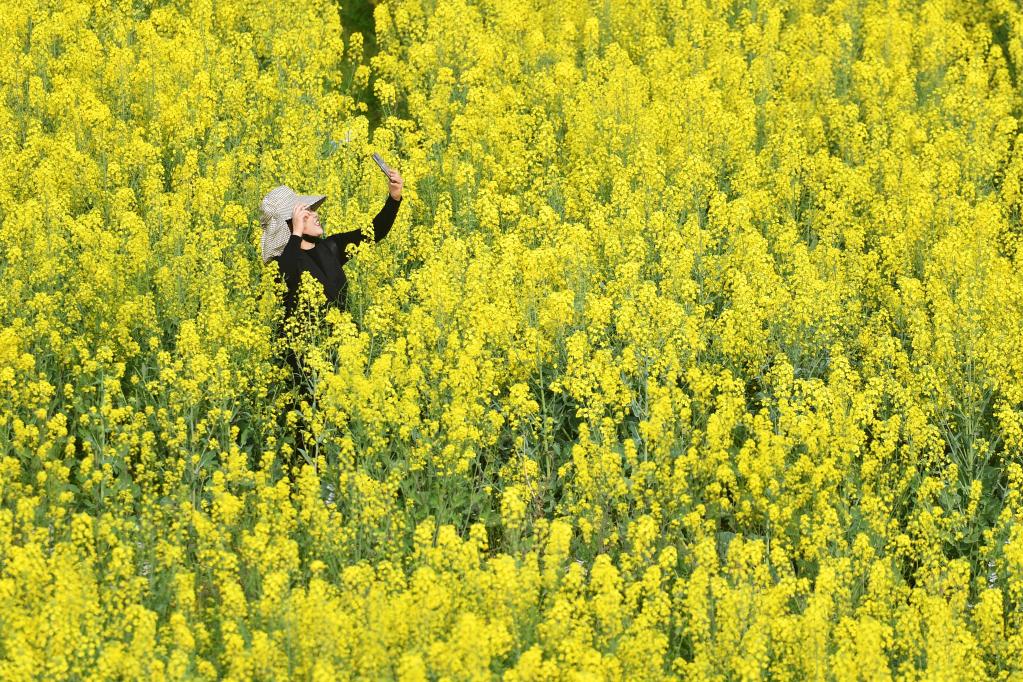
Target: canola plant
(694,352)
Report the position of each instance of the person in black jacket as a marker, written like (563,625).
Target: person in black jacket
(304,249)
(324,257)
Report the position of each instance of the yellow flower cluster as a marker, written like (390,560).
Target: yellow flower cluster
(694,351)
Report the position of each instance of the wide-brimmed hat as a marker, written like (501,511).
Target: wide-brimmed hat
(275,209)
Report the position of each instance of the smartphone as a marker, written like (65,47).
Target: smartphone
(383,166)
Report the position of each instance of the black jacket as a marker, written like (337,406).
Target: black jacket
(325,261)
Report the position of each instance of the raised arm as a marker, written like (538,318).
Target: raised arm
(288,260)
(381,226)
(385,218)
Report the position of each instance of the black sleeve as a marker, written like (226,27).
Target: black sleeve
(288,259)
(381,226)
(385,218)
(290,270)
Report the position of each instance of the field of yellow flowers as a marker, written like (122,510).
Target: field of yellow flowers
(694,352)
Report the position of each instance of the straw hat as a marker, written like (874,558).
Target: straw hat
(275,209)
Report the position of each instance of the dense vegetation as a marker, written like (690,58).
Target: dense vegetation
(693,352)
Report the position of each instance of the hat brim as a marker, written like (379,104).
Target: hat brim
(313,201)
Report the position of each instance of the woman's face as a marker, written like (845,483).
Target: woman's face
(313,228)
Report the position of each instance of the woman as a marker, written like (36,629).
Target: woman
(293,236)
(297,244)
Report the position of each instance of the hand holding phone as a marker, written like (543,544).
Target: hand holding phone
(394,180)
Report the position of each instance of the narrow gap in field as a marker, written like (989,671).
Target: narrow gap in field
(357,16)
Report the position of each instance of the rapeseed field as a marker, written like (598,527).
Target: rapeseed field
(694,351)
